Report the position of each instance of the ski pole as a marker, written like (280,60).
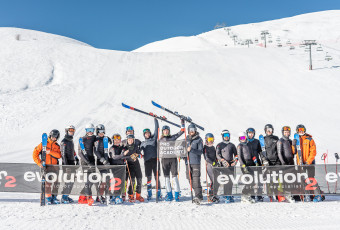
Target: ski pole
(206,178)
(336,169)
(186,146)
(157,174)
(127,166)
(323,157)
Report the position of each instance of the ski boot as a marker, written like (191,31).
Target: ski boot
(317,198)
(247,199)
(159,194)
(139,197)
(123,198)
(307,199)
(89,200)
(103,200)
(64,199)
(55,200)
(118,200)
(49,200)
(169,196)
(197,200)
(149,196)
(290,199)
(281,199)
(232,199)
(82,200)
(98,199)
(227,199)
(213,199)
(260,198)
(177,195)
(132,198)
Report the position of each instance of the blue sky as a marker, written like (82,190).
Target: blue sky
(127,24)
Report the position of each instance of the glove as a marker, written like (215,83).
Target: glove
(105,162)
(265,162)
(134,156)
(214,163)
(76,160)
(225,163)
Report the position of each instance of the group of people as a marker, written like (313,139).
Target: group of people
(279,151)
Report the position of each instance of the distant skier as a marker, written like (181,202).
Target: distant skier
(256,150)
(286,150)
(52,155)
(149,150)
(247,158)
(209,152)
(171,164)
(226,154)
(102,158)
(132,152)
(69,157)
(308,152)
(195,151)
(87,160)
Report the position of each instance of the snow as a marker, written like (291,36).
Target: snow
(48,81)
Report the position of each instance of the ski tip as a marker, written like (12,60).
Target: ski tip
(155,104)
(126,106)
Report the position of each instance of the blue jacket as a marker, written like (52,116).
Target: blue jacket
(196,151)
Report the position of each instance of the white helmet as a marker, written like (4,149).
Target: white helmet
(89,126)
(70,128)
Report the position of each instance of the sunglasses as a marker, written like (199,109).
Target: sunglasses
(210,139)
(90,130)
(243,138)
(117,137)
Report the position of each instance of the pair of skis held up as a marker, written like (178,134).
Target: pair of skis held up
(163,118)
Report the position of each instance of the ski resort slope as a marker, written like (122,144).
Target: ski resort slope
(49,81)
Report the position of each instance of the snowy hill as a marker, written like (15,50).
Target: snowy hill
(48,81)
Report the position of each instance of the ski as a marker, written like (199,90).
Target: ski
(187,119)
(336,170)
(43,163)
(162,118)
(82,147)
(262,143)
(297,138)
(106,146)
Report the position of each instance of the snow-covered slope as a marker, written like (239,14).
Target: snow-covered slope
(53,81)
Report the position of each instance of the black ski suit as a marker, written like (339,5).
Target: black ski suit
(68,158)
(195,155)
(246,157)
(255,149)
(133,168)
(149,150)
(209,153)
(285,151)
(271,150)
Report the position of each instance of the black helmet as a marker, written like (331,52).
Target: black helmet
(192,126)
(268,126)
(250,130)
(130,136)
(54,133)
(166,127)
(286,128)
(100,129)
(299,127)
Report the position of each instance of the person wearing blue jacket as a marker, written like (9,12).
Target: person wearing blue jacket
(149,150)
(195,151)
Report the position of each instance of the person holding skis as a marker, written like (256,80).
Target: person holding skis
(52,155)
(102,157)
(87,159)
(246,158)
(132,152)
(195,151)
(130,131)
(171,164)
(149,150)
(116,157)
(308,153)
(209,152)
(256,150)
(226,154)
(286,150)
(69,157)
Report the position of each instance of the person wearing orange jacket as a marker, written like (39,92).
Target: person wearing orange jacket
(52,155)
(308,153)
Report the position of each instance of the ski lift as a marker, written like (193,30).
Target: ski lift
(256,40)
(279,45)
(270,41)
(307,49)
(288,42)
(278,39)
(292,48)
(262,37)
(328,57)
(319,48)
(301,45)
(269,36)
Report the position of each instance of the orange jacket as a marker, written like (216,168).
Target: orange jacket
(308,149)
(52,157)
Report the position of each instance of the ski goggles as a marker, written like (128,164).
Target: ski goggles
(251,130)
(210,139)
(90,130)
(243,138)
(301,130)
(286,128)
(117,137)
(269,130)
(226,135)
(101,131)
(146,130)
(71,130)
(129,128)
(191,130)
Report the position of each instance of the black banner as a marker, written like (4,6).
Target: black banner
(73,180)
(172,149)
(276,180)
